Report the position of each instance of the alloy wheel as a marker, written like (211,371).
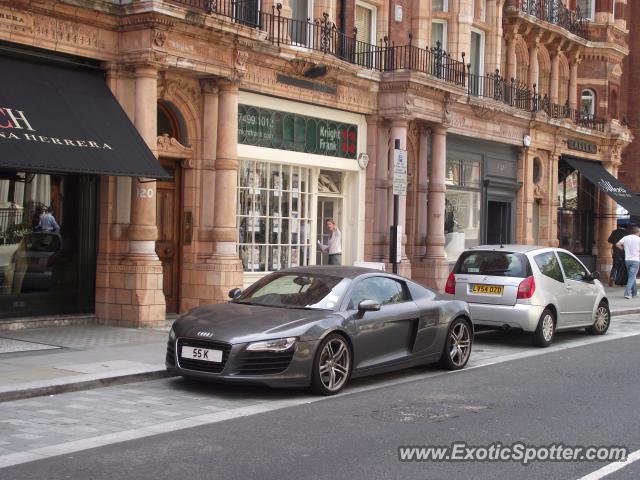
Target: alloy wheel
(460,344)
(602,318)
(334,364)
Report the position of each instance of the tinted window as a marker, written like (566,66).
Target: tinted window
(573,269)
(382,290)
(296,291)
(549,265)
(500,264)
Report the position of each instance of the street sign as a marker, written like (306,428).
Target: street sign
(399,172)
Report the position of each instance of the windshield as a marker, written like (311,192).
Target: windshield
(296,290)
(497,264)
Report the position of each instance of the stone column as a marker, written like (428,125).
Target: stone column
(511,58)
(399,132)
(573,84)
(435,265)
(194,279)
(422,193)
(381,208)
(606,222)
(553,204)
(555,78)
(136,280)
(534,68)
(225,269)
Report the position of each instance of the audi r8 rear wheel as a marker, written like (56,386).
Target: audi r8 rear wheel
(331,365)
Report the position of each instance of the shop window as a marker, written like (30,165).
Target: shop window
(576,207)
(274,215)
(588,102)
(440,5)
(47,244)
(462,206)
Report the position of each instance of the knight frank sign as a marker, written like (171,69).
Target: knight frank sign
(289,131)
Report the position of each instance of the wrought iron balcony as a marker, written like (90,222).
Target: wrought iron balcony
(323,35)
(555,12)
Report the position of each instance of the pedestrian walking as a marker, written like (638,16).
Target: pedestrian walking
(631,246)
(334,244)
(616,275)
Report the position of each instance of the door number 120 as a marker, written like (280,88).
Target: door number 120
(144,192)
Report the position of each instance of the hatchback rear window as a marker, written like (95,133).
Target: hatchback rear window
(497,264)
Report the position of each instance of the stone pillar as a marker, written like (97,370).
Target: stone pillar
(511,58)
(381,220)
(421,23)
(606,222)
(134,279)
(554,88)
(534,67)
(370,189)
(194,279)
(573,84)
(553,204)
(224,269)
(422,192)
(399,132)
(435,265)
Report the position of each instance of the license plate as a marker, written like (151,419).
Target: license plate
(204,354)
(488,289)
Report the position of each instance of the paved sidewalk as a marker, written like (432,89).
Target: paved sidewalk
(46,361)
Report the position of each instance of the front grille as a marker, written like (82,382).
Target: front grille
(264,363)
(200,365)
(171,354)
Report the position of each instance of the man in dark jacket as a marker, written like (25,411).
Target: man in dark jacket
(618,270)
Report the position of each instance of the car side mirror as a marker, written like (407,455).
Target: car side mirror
(595,276)
(368,306)
(234,293)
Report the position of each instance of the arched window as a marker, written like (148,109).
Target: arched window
(170,122)
(588,102)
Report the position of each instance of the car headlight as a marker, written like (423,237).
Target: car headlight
(172,335)
(278,345)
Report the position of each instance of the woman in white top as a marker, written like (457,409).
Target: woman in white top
(334,245)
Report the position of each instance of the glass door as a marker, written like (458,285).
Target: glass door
(327,208)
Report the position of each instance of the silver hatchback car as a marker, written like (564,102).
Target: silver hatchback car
(535,289)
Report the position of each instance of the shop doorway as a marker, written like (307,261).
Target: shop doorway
(328,207)
(498,222)
(168,218)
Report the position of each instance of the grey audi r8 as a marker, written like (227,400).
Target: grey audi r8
(319,326)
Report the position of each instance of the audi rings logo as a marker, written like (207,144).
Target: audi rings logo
(205,334)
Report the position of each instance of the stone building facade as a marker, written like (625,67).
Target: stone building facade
(268,123)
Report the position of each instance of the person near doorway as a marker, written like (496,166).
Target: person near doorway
(631,246)
(334,244)
(617,256)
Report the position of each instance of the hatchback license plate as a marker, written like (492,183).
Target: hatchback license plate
(488,289)
(204,354)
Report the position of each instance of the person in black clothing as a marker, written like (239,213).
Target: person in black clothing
(618,270)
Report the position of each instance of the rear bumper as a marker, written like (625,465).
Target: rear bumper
(525,317)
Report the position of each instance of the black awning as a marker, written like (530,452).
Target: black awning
(58,119)
(606,182)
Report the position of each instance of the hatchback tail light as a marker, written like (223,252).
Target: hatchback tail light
(450,287)
(527,287)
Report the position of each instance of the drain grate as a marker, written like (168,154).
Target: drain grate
(9,345)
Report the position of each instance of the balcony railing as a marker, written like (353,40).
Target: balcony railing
(520,96)
(554,11)
(323,35)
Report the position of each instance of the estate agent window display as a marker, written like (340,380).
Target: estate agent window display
(462,206)
(274,221)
